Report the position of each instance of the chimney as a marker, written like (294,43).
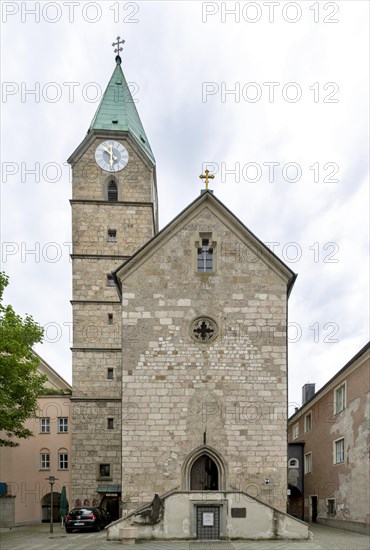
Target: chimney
(308,391)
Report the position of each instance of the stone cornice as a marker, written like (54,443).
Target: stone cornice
(108,399)
(98,350)
(102,302)
(100,256)
(110,204)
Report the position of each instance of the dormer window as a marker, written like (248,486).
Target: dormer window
(112,192)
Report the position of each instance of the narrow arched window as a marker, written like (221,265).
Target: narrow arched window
(112,192)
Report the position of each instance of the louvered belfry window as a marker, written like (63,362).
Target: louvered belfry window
(112,192)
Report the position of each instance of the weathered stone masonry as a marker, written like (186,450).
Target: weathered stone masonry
(97,341)
(177,391)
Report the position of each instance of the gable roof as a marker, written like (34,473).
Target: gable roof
(54,380)
(209,199)
(361,355)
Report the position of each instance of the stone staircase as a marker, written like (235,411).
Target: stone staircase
(240,516)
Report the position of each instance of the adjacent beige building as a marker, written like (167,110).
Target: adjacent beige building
(333,425)
(24,469)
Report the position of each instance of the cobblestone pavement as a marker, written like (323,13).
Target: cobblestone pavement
(37,537)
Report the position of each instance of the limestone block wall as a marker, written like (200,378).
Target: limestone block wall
(93,444)
(90,279)
(90,373)
(177,392)
(91,221)
(96,341)
(93,325)
(89,179)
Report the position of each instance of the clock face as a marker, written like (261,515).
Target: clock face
(111,156)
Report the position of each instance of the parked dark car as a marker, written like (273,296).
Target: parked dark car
(87,518)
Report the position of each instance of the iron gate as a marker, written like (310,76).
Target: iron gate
(208,522)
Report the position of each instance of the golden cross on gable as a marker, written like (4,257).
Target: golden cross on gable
(207,176)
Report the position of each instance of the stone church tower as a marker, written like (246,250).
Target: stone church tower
(179,352)
(114,212)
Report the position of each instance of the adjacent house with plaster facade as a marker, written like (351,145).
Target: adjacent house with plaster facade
(25,469)
(333,429)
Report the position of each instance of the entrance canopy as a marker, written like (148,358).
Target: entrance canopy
(108,489)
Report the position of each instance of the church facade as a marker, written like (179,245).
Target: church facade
(179,354)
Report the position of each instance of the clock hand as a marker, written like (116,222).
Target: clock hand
(110,153)
(112,157)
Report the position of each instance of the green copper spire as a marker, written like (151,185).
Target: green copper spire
(117,111)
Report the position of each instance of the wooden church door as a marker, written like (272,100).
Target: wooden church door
(204,475)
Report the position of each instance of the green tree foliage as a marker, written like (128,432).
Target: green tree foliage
(20,383)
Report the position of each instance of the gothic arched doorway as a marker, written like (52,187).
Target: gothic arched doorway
(204,474)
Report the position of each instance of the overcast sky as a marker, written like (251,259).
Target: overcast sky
(274,95)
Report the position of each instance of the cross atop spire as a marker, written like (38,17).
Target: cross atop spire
(207,177)
(118,49)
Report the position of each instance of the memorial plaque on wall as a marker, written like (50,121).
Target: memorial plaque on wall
(238,512)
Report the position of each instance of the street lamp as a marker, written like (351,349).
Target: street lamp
(51,480)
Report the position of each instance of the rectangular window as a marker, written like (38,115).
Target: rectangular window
(308,463)
(340,398)
(63,461)
(45,461)
(205,257)
(104,470)
(110,375)
(331,507)
(62,425)
(45,425)
(296,431)
(110,280)
(110,318)
(110,424)
(308,422)
(339,451)
(112,235)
